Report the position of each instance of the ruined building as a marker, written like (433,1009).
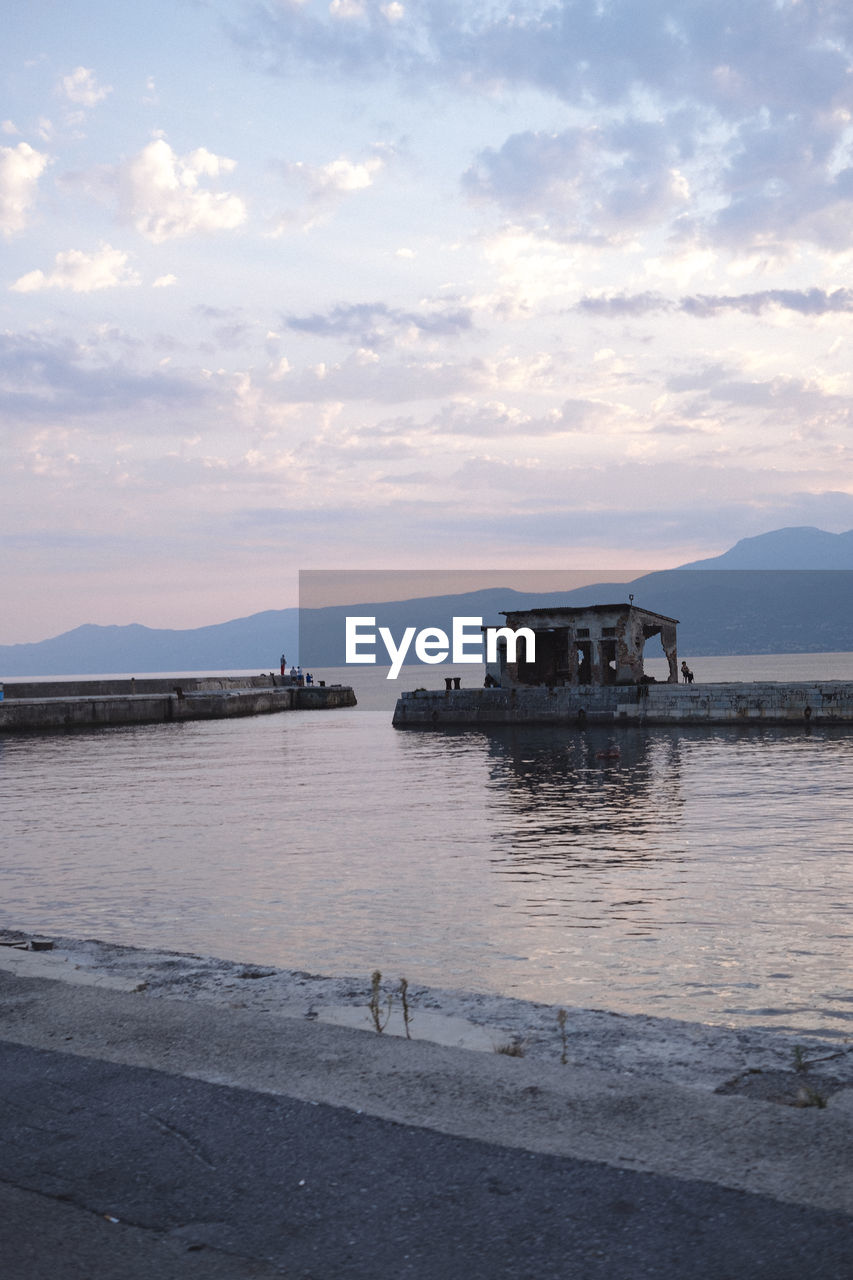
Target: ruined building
(601,644)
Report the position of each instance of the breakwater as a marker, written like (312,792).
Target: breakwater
(155,700)
(818,702)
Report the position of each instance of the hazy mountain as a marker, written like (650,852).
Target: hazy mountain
(244,643)
(723,611)
(796,548)
(790,591)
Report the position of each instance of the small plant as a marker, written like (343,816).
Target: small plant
(380,1006)
(380,1012)
(404,1001)
(561,1023)
(800,1063)
(511,1049)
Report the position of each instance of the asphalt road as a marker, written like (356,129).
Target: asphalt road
(110,1170)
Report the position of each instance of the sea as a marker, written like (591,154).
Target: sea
(704,874)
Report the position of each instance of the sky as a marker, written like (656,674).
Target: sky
(411,284)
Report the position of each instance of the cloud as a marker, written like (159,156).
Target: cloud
(341,175)
(594,183)
(375,324)
(81,273)
(806,302)
(789,178)
(638,304)
(729,121)
(164,282)
(498,531)
(782,407)
(725,53)
(410,477)
(20,169)
(51,376)
(364,376)
(704,521)
(774,181)
(493,419)
(81,87)
(354,36)
(232,336)
(325,186)
(346,9)
(162,195)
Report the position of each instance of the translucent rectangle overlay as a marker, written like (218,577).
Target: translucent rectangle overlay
(342,613)
(408,602)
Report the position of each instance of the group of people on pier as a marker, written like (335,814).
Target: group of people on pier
(296,674)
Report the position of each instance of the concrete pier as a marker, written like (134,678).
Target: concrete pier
(819,702)
(155,700)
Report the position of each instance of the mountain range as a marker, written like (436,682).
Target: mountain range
(788,591)
(796,548)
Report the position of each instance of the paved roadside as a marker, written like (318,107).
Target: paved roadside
(234,1144)
(112,1170)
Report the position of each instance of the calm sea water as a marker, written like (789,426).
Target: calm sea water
(705,874)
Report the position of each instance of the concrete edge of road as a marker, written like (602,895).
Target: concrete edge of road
(798,1155)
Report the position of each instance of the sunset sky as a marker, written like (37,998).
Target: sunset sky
(299,284)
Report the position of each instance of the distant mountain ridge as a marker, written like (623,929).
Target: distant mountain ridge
(720,611)
(242,644)
(798,547)
(779,592)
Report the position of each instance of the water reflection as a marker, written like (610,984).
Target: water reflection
(584,797)
(561,798)
(701,873)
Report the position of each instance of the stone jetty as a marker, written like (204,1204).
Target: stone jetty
(584,665)
(760,702)
(67,704)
